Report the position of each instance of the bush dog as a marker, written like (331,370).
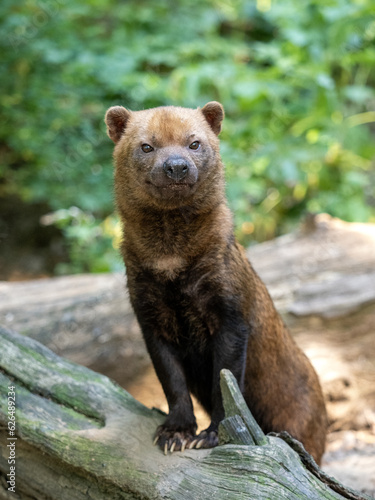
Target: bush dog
(200,304)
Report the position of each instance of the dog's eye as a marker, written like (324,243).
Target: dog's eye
(194,145)
(146,148)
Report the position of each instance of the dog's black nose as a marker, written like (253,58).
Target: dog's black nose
(176,168)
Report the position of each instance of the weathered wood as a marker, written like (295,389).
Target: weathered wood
(234,404)
(327,269)
(81,436)
(86,318)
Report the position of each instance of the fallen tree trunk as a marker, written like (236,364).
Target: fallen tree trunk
(80,436)
(86,318)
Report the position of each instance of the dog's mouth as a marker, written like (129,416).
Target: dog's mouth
(176,186)
(167,190)
(174,180)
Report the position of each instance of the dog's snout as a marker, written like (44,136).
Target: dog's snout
(176,168)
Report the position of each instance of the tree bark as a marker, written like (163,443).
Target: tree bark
(86,318)
(80,436)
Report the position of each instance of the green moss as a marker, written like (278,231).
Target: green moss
(43,372)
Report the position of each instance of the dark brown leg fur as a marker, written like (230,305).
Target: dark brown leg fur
(197,326)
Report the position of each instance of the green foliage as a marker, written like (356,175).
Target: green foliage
(297,83)
(90,243)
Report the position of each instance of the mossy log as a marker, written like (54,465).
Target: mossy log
(80,436)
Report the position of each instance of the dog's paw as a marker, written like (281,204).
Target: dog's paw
(174,440)
(206,439)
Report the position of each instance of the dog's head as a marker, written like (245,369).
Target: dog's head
(165,156)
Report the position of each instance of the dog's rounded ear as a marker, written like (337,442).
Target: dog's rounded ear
(214,113)
(116,119)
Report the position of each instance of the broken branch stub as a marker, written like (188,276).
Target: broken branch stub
(234,404)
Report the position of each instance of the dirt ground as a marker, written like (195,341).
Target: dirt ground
(346,368)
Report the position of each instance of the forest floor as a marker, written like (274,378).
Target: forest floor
(347,375)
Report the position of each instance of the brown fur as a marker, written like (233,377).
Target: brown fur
(200,304)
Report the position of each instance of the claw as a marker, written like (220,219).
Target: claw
(192,444)
(166,448)
(183,445)
(155,440)
(172,447)
(199,444)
